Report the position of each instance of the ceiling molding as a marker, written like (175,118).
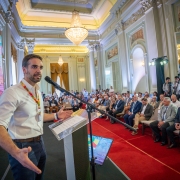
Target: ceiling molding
(60,49)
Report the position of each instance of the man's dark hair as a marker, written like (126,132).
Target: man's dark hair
(28,57)
(143,99)
(167,78)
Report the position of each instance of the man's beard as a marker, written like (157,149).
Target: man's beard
(34,79)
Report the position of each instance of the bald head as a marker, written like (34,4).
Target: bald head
(173,98)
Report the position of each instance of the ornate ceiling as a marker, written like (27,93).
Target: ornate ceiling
(58,13)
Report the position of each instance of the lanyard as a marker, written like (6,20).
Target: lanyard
(37,100)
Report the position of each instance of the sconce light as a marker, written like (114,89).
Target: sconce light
(142,63)
(163,60)
(81,79)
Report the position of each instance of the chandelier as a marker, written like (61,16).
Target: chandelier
(60,61)
(76,33)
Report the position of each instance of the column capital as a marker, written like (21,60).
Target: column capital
(119,27)
(90,47)
(8,14)
(21,44)
(30,43)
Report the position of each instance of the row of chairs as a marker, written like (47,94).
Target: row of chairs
(146,123)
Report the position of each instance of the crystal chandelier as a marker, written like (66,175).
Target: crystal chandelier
(76,33)
(60,61)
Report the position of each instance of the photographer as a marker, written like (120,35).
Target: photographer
(176,87)
(167,87)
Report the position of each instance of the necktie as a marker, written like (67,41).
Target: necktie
(164,114)
(133,106)
(116,105)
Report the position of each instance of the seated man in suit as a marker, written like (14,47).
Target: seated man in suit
(135,108)
(165,119)
(53,105)
(127,101)
(104,104)
(170,130)
(118,107)
(145,113)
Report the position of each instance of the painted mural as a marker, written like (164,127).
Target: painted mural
(112,52)
(137,35)
(1,69)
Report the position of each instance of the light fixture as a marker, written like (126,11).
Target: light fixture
(60,61)
(142,63)
(76,33)
(162,60)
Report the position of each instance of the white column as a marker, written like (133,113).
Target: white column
(100,65)
(152,47)
(20,56)
(7,54)
(125,74)
(92,68)
(171,44)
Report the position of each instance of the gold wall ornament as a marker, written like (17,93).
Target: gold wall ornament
(60,61)
(76,33)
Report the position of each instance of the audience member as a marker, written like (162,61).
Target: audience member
(135,108)
(165,118)
(74,104)
(144,114)
(167,87)
(117,108)
(176,87)
(174,100)
(170,130)
(46,105)
(53,105)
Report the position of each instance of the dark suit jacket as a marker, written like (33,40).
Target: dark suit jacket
(148,111)
(120,106)
(137,107)
(177,118)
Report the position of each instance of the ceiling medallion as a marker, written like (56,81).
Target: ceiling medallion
(76,33)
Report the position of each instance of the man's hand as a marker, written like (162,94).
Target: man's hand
(160,124)
(113,110)
(141,115)
(22,157)
(64,114)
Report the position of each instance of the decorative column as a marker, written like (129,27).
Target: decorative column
(7,46)
(20,56)
(154,45)
(100,64)
(92,68)
(124,63)
(173,65)
(2,60)
(30,45)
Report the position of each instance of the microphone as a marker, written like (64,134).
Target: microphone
(50,81)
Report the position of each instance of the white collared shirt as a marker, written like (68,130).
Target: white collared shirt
(177,103)
(19,112)
(144,108)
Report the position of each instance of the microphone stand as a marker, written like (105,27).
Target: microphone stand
(90,109)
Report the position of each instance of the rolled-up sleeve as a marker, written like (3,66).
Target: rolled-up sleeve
(8,104)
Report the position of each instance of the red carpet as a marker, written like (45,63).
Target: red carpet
(138,156)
